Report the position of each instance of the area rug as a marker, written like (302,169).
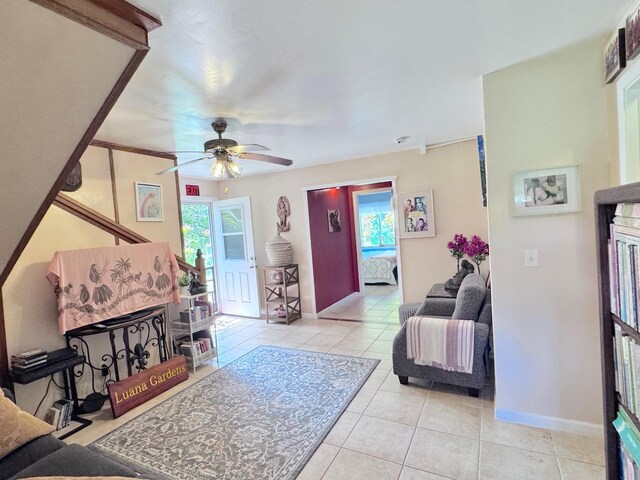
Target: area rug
(260,417)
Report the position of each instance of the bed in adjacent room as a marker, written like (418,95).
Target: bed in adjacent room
(379,265)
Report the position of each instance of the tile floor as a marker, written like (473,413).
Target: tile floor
(396,432)
(379,304)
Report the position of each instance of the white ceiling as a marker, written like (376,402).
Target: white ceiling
(332,80)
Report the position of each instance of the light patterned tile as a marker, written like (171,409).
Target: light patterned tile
(361,401)
(342,429)
(572,470)
(579,447)
(451,418)
(500,462)
(396,407)
(380,439)
(448,455)
(350,465)
(409,473)
(319,462)
(520,436)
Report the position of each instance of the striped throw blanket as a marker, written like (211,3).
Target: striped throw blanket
(441,342)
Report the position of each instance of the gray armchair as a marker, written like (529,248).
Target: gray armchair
(472,303)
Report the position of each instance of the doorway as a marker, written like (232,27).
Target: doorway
(235,257)
(355,271)
(197,233)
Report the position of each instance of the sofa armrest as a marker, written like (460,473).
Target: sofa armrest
(407,310)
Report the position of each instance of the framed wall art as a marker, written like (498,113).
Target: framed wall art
(335,222)
(632,34)
(615,58)
(546,191)
(148,202)
(415,214)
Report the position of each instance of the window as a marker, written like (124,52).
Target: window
(377,224)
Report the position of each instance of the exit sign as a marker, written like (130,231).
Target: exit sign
(193,190)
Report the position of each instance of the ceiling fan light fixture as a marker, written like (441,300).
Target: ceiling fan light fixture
(234,169)
(217,170)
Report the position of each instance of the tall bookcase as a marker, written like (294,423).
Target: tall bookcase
(605,206)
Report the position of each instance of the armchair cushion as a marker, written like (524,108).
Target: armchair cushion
(470,298)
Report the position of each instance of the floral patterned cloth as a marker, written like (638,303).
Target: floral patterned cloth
(97,284)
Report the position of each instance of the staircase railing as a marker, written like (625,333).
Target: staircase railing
(110,226)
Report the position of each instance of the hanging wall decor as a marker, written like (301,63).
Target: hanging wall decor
(335,224)
(615,56)
(284,211)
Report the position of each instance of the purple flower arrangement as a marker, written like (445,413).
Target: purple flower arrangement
(476,249)
(456,247)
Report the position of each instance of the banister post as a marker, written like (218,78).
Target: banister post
(200,266)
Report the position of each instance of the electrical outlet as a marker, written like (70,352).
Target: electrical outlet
(531,258)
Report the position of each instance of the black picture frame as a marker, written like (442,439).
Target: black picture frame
(615,56)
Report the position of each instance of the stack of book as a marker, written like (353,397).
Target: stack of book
(199,346)
(194,314)
(23,363)
(627,369)
(60,414)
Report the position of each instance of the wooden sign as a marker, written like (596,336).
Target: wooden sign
(137,389)
(193,190)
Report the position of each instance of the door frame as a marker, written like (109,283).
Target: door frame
(209,201)
(366,181)
(356,226)
(217,263)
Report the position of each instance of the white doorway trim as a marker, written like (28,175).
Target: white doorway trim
(367,181)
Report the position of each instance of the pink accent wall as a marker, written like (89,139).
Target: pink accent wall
(332,252)
(335,262)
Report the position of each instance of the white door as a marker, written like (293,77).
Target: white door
(235,255)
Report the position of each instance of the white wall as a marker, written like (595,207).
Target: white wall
(452,172)
(543,113)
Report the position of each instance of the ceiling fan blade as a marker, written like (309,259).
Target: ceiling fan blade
(201,152)
(173,169)
(251,147)
(266,158)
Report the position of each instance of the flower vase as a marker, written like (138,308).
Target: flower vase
(184,290)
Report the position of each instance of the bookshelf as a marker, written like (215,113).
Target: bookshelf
(194,332)
(613,291)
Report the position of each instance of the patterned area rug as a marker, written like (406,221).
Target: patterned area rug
(260,417)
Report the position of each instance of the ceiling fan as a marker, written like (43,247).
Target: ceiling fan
(224,150)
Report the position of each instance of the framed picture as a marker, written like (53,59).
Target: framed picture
(546,191)
(615,58)
(633,34)
(148,202)
(335,225)
(415,214)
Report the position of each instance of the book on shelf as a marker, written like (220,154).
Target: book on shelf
(624,273)
(626,362)
(194,314)
(199,346)
(629,435)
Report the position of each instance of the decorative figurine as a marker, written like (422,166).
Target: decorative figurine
(283,210)
(453,284)
(195,286)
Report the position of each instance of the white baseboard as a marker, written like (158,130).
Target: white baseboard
(551,423)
